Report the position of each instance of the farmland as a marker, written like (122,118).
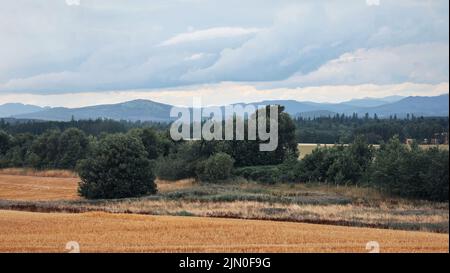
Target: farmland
(309,203)
(307,148)
(33,188)
(104,232)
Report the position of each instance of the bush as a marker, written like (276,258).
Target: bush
(173,168)
(181,164)
(264,174)
(216,167)
(338,165)
(411,173)
(314,167)
(118,167)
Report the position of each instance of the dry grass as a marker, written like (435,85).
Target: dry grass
(404,217)
(312,203)
(37,173)
(102,232)
(168,186)
(34,188)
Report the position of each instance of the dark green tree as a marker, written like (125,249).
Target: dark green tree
(150,139)
(44,152)
(118,167)
(216,168)
(5,142)
(73,146)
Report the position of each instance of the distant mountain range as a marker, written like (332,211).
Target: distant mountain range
(146,110)
(12,109)
(143,110)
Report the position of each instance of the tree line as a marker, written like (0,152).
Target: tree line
(345,129)
(124,160)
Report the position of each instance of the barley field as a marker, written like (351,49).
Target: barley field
(319,204)
(35,188)
(104,232)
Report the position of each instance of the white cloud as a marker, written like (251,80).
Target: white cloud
(307,35)
(50,48)
(373,2)
(421,63)
(208,34)
(73,2)
(194,57)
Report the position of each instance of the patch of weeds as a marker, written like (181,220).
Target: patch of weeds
(183,213)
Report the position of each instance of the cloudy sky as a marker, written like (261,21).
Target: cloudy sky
(84,52)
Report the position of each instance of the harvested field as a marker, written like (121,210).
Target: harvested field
(103,232)
(27,185)
(35,188)
(33,172)
(320,204)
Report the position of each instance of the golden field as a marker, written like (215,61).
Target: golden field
(127,225)
(319,204)
(28,185)
(35,188)
(103,232)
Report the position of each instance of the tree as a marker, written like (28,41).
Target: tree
(216,167)
(117,167)
(386,169)
(45,150)
(247,153)
(150,140)
(73,146)
(5,142)
(16,156)
(411,173)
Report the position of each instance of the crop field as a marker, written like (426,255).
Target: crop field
(308,203)
(307,148)
(34,188)
(104,232)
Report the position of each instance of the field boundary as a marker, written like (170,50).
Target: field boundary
(51,207)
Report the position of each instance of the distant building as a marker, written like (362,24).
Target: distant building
(440,138)
(409,141)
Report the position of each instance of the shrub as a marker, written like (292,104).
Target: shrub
(181,164)
(216,167)
(264,174)
(118,167)
(411,173)
(338,165)
(173,168)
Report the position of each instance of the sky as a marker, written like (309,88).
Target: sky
(84,52)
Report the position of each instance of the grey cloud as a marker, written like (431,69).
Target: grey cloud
(50,47)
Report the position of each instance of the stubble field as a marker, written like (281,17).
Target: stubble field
(133,225)
(104,232)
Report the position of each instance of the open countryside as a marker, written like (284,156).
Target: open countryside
(105,232)
(96,226)
(188,126)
